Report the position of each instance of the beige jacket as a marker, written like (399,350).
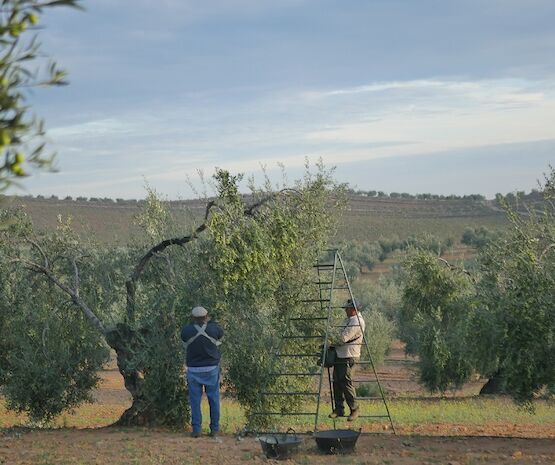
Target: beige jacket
(353,328)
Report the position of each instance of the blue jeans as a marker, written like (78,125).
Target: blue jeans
(211,382)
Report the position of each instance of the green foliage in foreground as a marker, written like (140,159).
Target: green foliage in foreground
(22,138)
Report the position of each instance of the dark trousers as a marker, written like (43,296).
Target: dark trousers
(343,388)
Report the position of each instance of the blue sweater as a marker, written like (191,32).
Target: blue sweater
(202,352)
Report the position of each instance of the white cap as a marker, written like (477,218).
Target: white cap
(199,312)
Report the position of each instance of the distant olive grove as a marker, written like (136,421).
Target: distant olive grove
(534,194)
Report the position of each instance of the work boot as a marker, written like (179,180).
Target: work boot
(354,415)
(336,414)
(195,434)
(213,434)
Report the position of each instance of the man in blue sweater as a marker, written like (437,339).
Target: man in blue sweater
(202,339)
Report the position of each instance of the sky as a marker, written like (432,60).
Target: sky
(446,97)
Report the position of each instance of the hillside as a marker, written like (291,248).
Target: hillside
(367,218)
(370,218)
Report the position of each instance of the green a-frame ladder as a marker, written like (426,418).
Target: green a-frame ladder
(309,334)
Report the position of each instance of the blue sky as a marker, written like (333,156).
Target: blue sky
(400,95)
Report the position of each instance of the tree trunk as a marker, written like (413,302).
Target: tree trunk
(495,385)
(150,363)
(124,342)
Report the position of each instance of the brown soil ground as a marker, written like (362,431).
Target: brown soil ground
(429,443)
(138,447)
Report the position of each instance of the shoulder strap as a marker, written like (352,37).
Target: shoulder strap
(201,331)
(359,328)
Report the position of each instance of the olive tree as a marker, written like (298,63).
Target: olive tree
(516,317)
(248,259)
(49,353)
(434,320)
(499,322)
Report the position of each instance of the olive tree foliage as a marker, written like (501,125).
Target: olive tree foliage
(383,295)
(380,302)
(479,237)
(499,322)
(22,140)
(515,327)
(248,260)
(434,320)
(64,303)
(379,333)
(253,269)
(49,353)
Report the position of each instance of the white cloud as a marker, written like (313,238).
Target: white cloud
(438,115)
(95,128)
(169,141)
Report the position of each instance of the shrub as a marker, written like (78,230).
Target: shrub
(379,335)
(369,390)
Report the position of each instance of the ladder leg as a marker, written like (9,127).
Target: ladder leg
(332,396)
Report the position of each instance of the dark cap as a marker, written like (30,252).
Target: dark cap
(352,303)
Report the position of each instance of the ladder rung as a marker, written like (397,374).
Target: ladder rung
(302,337)
(308,318)
(297,355)
(343,326)
(365,416)
(295,374)
(323,282)
(283,414)
(325,265)
(314,301)
(368,398)
(298,393)
(335,289)
(365,380)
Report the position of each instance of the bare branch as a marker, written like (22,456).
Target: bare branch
(89,314)
(75,277)
(251,209)
(160,247)
(38,247)
(455,268)
(131,283)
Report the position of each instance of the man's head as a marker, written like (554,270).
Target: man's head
(199,314)
(351,307)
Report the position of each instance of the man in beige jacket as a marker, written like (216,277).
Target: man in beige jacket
(347,348)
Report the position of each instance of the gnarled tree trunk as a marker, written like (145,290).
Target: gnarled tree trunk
(495,385)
